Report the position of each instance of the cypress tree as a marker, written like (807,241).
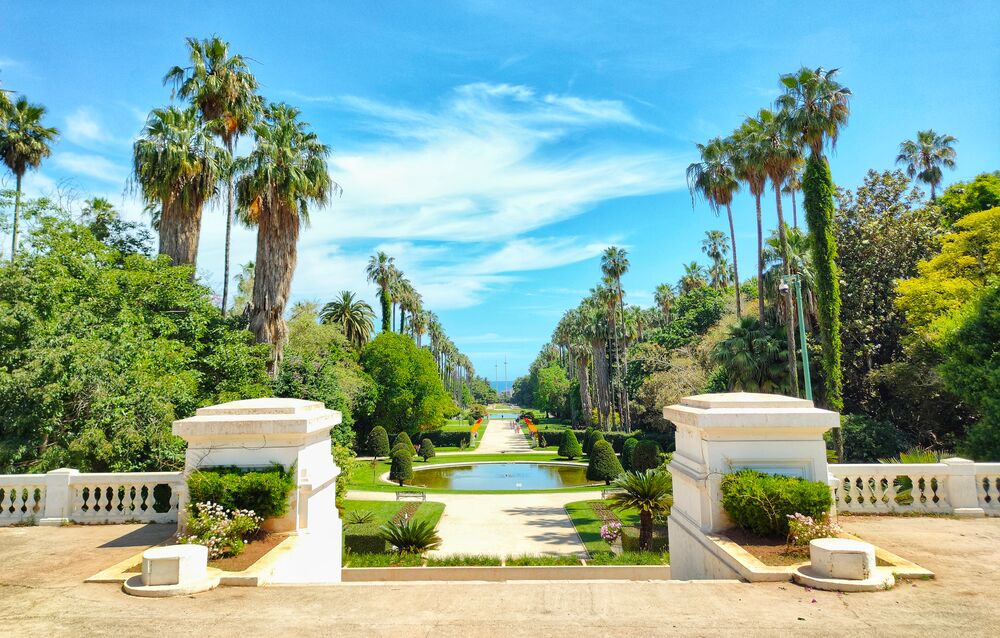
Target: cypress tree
(646,456)
(427,449)
(401,469)
(588,439)
(628,449)
(378,442)
(404,439)
(569,447)
(604,464)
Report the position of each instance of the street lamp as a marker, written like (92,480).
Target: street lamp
(783,289)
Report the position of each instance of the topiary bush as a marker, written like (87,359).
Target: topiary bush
(592,439)
(404,439)
(646,456)
(628,449)
(427,449)
(378,442)
(604,464)
(588,436)
(762,503)
(401,469)
(263,491)
(569,448)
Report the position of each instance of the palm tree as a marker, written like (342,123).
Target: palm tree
(381,271)
(418,322)
(649,492)
(793,185)
(714,245)
(694,277)
(281,178)
(614,264)
(409,301)
(664,298)
(753,357)
(800,263)
(715,178)
(224,91)
(925,156)
(24,143)
(749,151)
(816,107)
(354,315)
(177,166)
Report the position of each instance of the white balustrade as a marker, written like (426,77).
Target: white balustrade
(66,495)
(988,487)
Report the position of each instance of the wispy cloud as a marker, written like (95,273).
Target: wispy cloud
(94,166)
(83,128)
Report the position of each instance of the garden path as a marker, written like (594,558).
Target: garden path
(501,438)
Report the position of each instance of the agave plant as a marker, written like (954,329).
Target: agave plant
(411,537)
(360,517)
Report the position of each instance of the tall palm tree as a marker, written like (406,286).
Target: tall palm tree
(753,357)
(694,277)
(177,165)
(715,178)
(649,492)
(748,159)
(614,264)
(418,322)
(800,263)
(278,181)
(381,271)
(816,107)
(354,315)
(664,298)
(409,301)
(24,143)
(224,91)
(793,185)
(925,156)
(714,246)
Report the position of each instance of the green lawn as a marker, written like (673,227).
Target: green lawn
(365,479)
(588,526)
(385,510)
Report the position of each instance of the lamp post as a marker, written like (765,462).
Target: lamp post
(796,281)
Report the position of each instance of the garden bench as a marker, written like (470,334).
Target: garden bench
(417,496)
(610,492)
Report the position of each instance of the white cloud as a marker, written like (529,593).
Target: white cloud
(94,166)
(83,128)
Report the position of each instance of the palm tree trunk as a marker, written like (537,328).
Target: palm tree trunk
(383,298)
(793,372)
(179,232)
(277,252)
(229,228)
(402,320)
(645,531)
(933,193)
(736,268)
(601,370)
(760,261)
(795,212)
(17,219)
(586,405)
(623,370)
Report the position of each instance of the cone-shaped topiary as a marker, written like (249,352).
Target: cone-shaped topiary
(592,440)
(401,469)
(378,442)
(628,448)
(646,456)
(569,447)
(427,449)
(588,436)
(604,465)
(404,438)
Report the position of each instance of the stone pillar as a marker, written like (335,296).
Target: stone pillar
(721,433)
(58,497)
(963,492)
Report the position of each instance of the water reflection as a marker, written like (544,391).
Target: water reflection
(501,476)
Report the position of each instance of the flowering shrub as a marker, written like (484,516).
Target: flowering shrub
(224,532)
(611,532)
(802,529)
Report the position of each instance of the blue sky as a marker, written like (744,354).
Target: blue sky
(495,148)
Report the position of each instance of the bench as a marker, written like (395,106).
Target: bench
(409,494)
(610,492)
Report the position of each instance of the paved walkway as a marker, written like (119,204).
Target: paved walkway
(500,438)
(503,524)
(43,594)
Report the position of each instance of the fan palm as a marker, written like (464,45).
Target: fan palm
(614,264)
(177,166)
(925,156)
(714,245)
(224,91)
(800,263)
(381,271)
(816,106)
(664,298)
(24,143)
(753,357)
(650,492)
(714,177)
(419,324)
(354,315)
(694,277)
(793,185)
(749,151)
(278,181)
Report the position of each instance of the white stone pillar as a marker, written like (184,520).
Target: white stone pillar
(722,433)
(963,493)
(58,497)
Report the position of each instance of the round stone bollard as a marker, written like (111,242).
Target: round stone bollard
(843,564)
(174,570)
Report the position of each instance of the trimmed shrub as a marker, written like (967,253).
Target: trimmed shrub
(442,438)
(263,491)
(616,439)
(604,464)
(404,439)
(401,469)
(762,502)
(628,449)
(646,456)
(378,442)
(588,436)
(595,436)
(426,449)
(364,539)
(569,447)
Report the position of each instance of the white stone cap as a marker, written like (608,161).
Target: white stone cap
(271,405)
(257,417)
(842,545)
(189,550)
(748,410)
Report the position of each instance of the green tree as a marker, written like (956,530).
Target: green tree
(552,390)
(962,198)
(408,394)
(355,316)
(244,288)
(646,456)
(753,357)
(569,447)
(650,492)
(381,270)
(224,91)
(281,178)
(378,442)
(603,464)
(664,298)
(24,143)
(403,440)
(614,265)
(924,157)
(714,246)
(401,468)
(107,226)
(177,167)
(750,150)
(694,277)
(427,449)
(628,451)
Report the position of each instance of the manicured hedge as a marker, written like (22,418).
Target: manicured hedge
(442,438)
(762,502)
(364,539)
(616,439)
(263,491)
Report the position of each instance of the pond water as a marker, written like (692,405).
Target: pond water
(504,415)
(501,476)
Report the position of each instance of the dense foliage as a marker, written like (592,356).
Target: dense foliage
(263,491)
(569,447)
(603,463)
(762,503)
(401,468)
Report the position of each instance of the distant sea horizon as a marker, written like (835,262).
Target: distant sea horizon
(502,386)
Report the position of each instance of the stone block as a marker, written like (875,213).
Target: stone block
(842,558)
(174,565)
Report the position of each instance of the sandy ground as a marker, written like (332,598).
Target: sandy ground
(500,437)
(42,594)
